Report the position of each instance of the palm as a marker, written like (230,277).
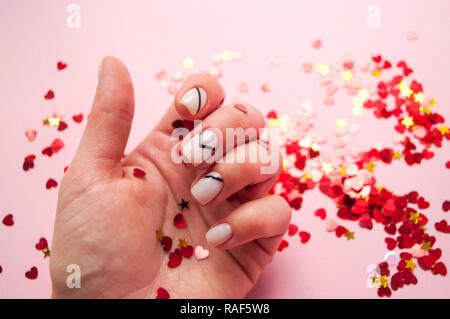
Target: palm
(107,225)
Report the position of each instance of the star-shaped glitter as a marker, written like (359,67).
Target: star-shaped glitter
(159,233)
(306,176)
(227,56)
(347,75)
(408,121)
(349,235)
(184,204)
(183,242)
(374,279)
(410,264)
(415,217)
(188,62)
(357,110)
(327,168)
(54,121)
(443,129)
(418,97)
(315,147)
(45,122)
(426,110)
(341,123)
(342,171)
(46,253)
(426,245)
(376,73)
(383,281)
(370,166)
(363,93)
(398,155)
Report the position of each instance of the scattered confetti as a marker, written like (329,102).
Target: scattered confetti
(162,293)
(77,118)
(31,135)
(304,237)
(61,65)
(183,204)
(42,244)
(49,95)
(179,221)
(51,183)
(137,172)
(201,253)
(8,220)
(32,273)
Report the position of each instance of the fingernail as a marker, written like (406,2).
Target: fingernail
(194,100)
(99,70)
(219,234)
(207,187)
(200,147)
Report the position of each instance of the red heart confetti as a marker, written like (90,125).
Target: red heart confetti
(446,206)
(321,213)
(137,172)
(32,273)
(304,237)
(174,260)
(283,244)
(292,229)
(62,126)
(47,151)
(51,183)
(442,226)
(57,145)
(61,65)
(8,220)
(166,243)
(31,135)
(42,244)
(77,118)
(162,293)
(49,95)
(187,251)
(179,221)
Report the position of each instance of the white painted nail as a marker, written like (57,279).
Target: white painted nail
(200,147)
(99,70)
(194,100)
(219,234)
(207,187)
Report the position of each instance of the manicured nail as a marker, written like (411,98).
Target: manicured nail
(194,100)
(207,187)
(201,147)
(99,70)
(219,234)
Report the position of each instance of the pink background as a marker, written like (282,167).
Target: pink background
(153,35)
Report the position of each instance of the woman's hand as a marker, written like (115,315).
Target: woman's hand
(107,219)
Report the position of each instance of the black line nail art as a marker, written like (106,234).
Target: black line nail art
(200,140)
(199,100)
(214,176)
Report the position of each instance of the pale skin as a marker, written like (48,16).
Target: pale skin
(107,218)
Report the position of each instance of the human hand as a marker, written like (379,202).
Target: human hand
(107,218)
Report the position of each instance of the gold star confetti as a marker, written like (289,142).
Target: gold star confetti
(357,102)
(188,62)
(374,279)
(426,245)
(315,147)
(379,189)
(227,56)
(357,110)
(184,204)
(383,281)
(415,217)
(342,171)
(426,110)
(341,123)
(183,242)
(284,120)
(408,121)
(159,233)
(45,122)
(376,72)
(54,121)
(347,75)
(322,69)
(349,235)
(433,102)
(306,176)
(363,94)
(410,264)
(398,155)
(327,168)
(404,88)
(443,129)
(285,164)
(46,253)
(366,198)
(423,228)
(370,166)
(418,97)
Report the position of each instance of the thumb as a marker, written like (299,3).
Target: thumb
(109,123)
